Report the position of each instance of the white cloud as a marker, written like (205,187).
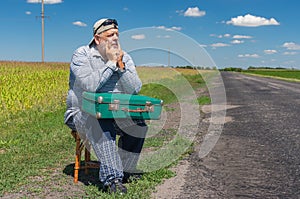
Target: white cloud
(160,27)
(138,37)
(164,37)
(216,45)
(220,36)
(194,12)
(169,29)
(225,36)
(249,56)
(270,52)
(28,12)
(252,21)
(290,53)
(241,37)
(45,1)
(236,41)
(176,28)
(79,23)
(291,46)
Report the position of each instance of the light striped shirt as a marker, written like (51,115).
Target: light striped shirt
(89,72)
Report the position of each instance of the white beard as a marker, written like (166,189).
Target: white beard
(102,50)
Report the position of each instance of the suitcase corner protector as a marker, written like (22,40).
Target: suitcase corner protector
(98,115)
(100,99)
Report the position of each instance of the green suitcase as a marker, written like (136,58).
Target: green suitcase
(117,105)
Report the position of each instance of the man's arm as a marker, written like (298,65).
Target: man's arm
(89,78)
(129,78)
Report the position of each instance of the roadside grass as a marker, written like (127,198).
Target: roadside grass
(203,100)
(158,91)
(290,75)
(32,147)
(140,189)
(195,80)
(34,143)
(158,139)
(173,89)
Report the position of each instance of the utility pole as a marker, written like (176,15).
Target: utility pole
(43,18)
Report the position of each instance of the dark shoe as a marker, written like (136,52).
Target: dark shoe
(116,186)
(130,177)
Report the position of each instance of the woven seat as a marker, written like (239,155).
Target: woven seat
(88,164)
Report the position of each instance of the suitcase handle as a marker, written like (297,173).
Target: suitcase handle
(139,110)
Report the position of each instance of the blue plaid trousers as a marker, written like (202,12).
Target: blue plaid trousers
(114,160)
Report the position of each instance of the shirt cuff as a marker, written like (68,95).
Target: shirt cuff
(122,70)
(112,65)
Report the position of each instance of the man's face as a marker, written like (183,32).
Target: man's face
(109,38)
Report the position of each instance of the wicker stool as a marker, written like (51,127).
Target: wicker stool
(88,164)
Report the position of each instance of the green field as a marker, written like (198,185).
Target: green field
(37,149)
(284,74)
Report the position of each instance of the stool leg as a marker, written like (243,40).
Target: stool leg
(87,158)
(77,158)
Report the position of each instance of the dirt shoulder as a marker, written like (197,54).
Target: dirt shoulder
(173,187)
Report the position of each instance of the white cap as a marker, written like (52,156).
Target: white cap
(99,27)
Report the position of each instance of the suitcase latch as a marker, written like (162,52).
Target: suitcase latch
(114,106)
(149,107)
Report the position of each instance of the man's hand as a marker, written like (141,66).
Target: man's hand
(120,63)
(113,52)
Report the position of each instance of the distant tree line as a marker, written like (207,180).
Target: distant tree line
(237,69)
(234,69)
(265,67)
(197,67)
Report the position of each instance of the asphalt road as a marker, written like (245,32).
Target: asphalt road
(258,152)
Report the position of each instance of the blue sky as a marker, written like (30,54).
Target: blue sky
(237,33)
